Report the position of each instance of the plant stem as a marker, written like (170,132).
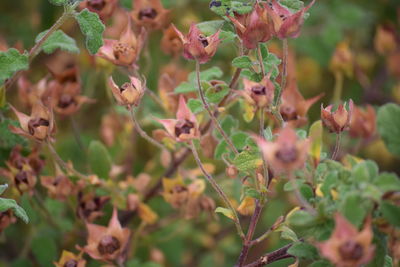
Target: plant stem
(271,257)
(62,163)
(267,233)
(77,133)
(285,51)
(249,236)
(337,146)
(142,133)
(299,197)
(261,130)
(212,117)
(35,50)
(260,60)
(218,189)
(337,93)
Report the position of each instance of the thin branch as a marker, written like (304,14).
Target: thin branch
(337,146)
(271,257)
(261,130)
(260,59)
(142,133)
(210,113)
(249,236)
(218,189)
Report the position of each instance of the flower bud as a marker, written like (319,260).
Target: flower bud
(363,122)
(129,93)
(171,43)
(103,8)
(197,46)
(339,120)
(259,94)
(342,60)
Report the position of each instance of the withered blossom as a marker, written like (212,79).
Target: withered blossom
(339,120)
(29,93)
(287,153)
(188,198)
(129,93)
(348,247)
(185,127)
(21,170)
(90,206)
(103,8)
(171,76)
(108,243)
(363,122)
(286,24)
(342,60)
(39,126)
(69,259)
(197,46)
(6,218)
(385,40)
(294,106)
(59,187)
(171,43)
(149,14)
(126,50)
(259,95)
(254,27)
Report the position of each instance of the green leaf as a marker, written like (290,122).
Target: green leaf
(303,251)
(195,105)
(243,62)
(353,208)
(247,161)
(12,61)
(58,2)
(3,188)
(293,5)
(239,140)
(287,233)
(215,94)
(99,159)
(226,212)
(92,27)
(210,27)
(388,120)
(205,75)
(44,248)
(387,182)
(57,40)
(306,191)
(391,213)
(251,192)
(6,204)
(8,139)
(300,218)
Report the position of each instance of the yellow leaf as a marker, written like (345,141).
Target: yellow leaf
(227,212)
(249,112)
(315,135)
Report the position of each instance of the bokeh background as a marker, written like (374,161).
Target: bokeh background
(202,241)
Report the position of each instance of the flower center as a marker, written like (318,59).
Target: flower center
(183,127)
(351,250)
(35,123)
(122,50)
(125,86)
(203,39)
(57,180)
(21,177)
(108,245)
(259,90)
(149,13)
(287,154)
(65,101)
(97,4)
(288,113)
(71,263)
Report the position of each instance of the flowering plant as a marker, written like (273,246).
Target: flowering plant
(175,140)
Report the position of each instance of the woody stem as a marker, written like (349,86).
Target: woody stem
(218,189)
(260,59)
(337,146)
(211,114)
(142,133)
